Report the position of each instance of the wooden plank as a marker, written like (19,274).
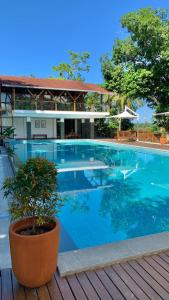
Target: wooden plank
(158,268)
(153,283)
(109,285)
(76,287)
(54,290)
(64,287)
(126,292)
(87,286)
(164,257)
(130,282)
(18,290)
(161,262)
(140,281)
(31,294)
(154,274)
(43,293)
(99,287)
(6,285)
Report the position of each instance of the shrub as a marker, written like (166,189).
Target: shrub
(33,192)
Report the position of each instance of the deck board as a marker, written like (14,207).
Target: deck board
(141,282)
(30,294)
(7,293)
(126,292)
(139,279)
(153,283)
(98,285)
(18,290)
(113,290)
(87,286)
(135,289)
(54,290)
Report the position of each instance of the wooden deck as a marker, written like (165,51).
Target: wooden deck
(140,144)
(141,279)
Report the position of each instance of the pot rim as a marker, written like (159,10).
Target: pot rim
(13,232)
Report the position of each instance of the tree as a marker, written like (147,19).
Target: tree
(73,70)
(139,66)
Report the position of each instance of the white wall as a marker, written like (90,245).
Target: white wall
(20,127)
(50,129)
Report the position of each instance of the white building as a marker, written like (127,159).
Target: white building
(49,108)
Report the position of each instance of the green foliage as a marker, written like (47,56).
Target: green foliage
(33,191)
(139,66)
(77,66)
(8,133)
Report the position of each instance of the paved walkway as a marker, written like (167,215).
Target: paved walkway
(5,170)
(141,279)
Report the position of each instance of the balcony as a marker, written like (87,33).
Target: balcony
(59,106)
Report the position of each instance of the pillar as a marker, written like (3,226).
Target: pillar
(83,129)
(92,128)
(28,128)
(76,126)
(54,128)
(62,128)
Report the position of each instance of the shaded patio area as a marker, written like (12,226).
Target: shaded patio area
(144,278)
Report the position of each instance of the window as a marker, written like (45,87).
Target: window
(43,123)
(37,123)
(40,123)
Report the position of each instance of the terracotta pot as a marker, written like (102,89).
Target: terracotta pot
(163,140)
(34,257)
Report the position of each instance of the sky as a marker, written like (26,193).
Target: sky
(36,34)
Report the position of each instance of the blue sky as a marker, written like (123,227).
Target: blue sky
(37,34)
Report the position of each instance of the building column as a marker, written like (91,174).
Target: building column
(92,128)
(83,129)
(62,128)
(54,128)
(76,128)
(28,128)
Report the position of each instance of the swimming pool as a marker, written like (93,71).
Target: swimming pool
(111,192)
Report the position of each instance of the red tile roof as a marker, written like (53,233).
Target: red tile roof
(55,84)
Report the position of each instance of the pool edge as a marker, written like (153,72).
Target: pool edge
(92,258)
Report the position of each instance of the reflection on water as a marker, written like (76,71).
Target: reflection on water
(111,193)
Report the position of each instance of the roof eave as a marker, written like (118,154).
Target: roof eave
(59,89)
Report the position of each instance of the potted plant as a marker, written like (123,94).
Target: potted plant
(34,236)
(6,134)
(163,138)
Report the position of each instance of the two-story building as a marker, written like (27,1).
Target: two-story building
(49,108)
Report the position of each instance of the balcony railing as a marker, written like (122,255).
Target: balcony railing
(67,106)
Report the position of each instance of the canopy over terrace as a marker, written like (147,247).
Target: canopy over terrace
(30,98)
(126,114)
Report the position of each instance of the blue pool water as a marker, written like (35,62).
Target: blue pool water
(111,192)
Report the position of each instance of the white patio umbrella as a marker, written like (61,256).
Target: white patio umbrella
(126,114)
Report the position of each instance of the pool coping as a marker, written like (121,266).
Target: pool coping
(92,258)
(113,142)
